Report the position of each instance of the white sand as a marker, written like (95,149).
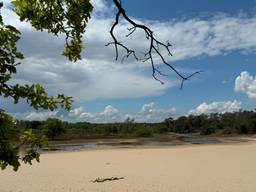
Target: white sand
(212,168)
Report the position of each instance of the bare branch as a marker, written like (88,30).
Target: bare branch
(154,47)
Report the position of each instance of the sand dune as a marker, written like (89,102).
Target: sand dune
(201,168)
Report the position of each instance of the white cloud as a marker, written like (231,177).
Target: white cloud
(99,76)
(40,115)
(101,8)
(216,107)
(85,82)
(190,38)
(246,83)
(109,110)
(148,113)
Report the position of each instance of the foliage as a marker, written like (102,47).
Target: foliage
(11,140)
(160,128)
(67,17)
(60,16)
(52,127)
(142,131)
(207,130)
(242,122)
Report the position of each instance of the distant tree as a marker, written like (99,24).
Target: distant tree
(252,122)
(181,125)
(207,129)
(169,123)
(53,127)
(160,128)
(243,126)
(142,131)
(127,126)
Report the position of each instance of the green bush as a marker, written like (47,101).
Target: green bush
(142,132)
(160,128)
(207,130)
(227,131)
(52,128)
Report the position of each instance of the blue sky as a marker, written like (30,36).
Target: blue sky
(215,36)
(179,9)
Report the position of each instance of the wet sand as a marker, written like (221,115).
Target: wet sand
(197,168)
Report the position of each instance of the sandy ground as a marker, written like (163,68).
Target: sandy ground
(201,168)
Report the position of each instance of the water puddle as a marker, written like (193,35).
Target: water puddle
(126,144)
(70,147)
(200,140)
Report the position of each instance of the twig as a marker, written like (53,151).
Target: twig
(101,180)
(154,47)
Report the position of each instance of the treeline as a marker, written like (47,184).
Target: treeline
(242,122)
(55,128)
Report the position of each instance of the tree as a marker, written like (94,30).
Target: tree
(52,128)
(68,17)
(35,94)
(9,151)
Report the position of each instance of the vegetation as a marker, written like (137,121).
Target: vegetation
(9,151)
(57,17)
(52,127)
(242,122)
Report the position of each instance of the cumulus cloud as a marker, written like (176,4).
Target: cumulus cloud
(151,113)
(99,76)
(216,107)
(109,114)
(246,83)
(87,82)
(219,35)
(148,113)
(39,115)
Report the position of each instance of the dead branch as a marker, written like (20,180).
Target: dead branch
(101,180)
(154,47)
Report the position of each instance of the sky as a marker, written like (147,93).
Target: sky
(215,36)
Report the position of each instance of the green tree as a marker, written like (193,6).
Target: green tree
(207,129)
(42,15)
(53,127)
(11,141)
(142,131)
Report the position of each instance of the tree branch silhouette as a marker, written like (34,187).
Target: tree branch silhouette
(154,46)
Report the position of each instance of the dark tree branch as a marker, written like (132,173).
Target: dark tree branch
(101,180)
(154,46)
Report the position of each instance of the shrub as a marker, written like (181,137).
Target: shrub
(142,132)
(207,130)
(53,127)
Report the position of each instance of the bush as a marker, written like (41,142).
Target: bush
(227,131)
(243,129)
(53,127)
(160,128)
(142,132)
(207,130)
